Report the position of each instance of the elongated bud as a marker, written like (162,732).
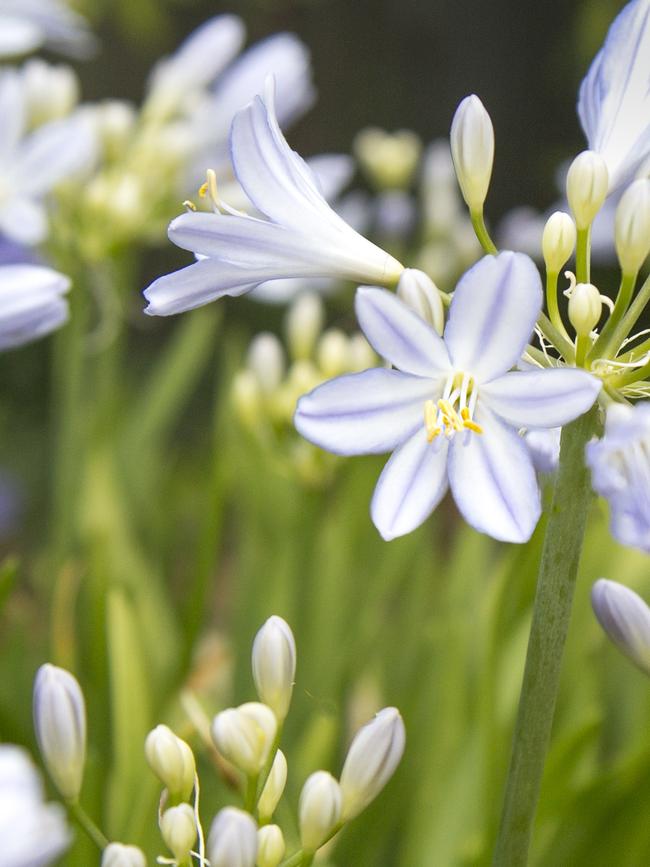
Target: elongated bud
(171,760)
(472,149)
(625,617)
(266,360)
(304,323)
(319,809)
(333,353)
(558,241)
(632,233)
(270,846)
(119,855)
(233,839)
(585,307)
(586,187)
(420,293)
(274,665)
(60,724)
(374,754)
(273,788)
(178,829)
(244,735)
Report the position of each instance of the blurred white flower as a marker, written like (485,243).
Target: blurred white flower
(26,25)
(31,303)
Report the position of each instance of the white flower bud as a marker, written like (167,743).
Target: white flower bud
(171,760)
(558,241)
(60,724)
(585,308)
(246,396)
(632,233)
(274,665)
(178,829)
(273,788)
(270,846)
(420,293)
(472,150)
(625,617)
(304,323)
(389,159)
(233,839)
(362,355)
(266,360)
(119,855)
(374,754)
(587,183)
(244,735)
(332,353)
(319,810)
(50,92)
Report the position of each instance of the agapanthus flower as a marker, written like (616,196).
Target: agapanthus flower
(614,98)
(26,25)
(451,407)
(620,471)
(625,617)
(32,303)
(32,164)
(301,237)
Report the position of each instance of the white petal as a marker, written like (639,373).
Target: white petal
(12,113)
(23,220)
(364,413)
(410,486)
(399,335)
(614,100)
(18,36)
(54,152)
(493,480)
(541,399)
(333,172)
(492,314)
(198,284)
(31,303)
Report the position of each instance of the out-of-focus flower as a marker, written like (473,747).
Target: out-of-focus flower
(32,165)
(620,471)
(614,98)
(60,724)
(625,617)
(374,754)
(274,665)
(472,149)
(302,237)
(451,408)
(233,839)
(388,159)
(171,760)
(123,855)
(319,809)
(32,303)
(244,735)
(32,833)
(51,92)
(26,25)
(544,448)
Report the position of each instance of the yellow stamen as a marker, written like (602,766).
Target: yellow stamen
(471,425)
(189,204)
(203,189)
(433,430)
(450,415)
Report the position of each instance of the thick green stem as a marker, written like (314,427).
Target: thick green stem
(551,614)
(86,823)
(605,343)
(482,233)
(583,255)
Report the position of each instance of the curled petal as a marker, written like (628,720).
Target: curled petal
(492,314)
(410,486)
(492,478)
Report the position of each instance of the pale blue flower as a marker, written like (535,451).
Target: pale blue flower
(26,25)
(32,303)
(301,237)
(625,617)
(451,407)
(620,472)
(614,98)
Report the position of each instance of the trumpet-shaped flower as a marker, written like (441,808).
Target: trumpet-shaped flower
(31,303)
(26,25)
(451,407)
(614,98)
(301,237)
(620,472)
(625,618)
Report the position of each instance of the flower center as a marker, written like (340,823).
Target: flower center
(453,412)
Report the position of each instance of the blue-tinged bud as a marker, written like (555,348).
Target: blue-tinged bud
(625,617)
(233,839)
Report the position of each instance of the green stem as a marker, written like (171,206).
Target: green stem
(553,307)
(627,323)
(86,823)
(482,233)
(561,343)
(296,860)
(250,795)
(583,256)
(551,614)
(583,345)
(603,345)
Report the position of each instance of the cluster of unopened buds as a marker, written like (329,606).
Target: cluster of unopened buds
(246,739)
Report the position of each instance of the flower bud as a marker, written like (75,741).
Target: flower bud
(586,187)
(244,735)
(361,354)
(119,855)
(420,293)
(274,665)
(632,232)
(171,760)
(50,92)
(178,829)
(115,121)
(558,241)
(266,360)
(332,353)
(304,323)
(585,307)
(472,149)
(232,841)
(389,159)
(246,396)
(60,724)
(319,810)
(273,788)
(374,754)
(625,617)
(270,846)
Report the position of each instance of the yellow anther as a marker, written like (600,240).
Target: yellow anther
(189,204)
(471,425)
(203,189)
(450,415)
(430,422)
